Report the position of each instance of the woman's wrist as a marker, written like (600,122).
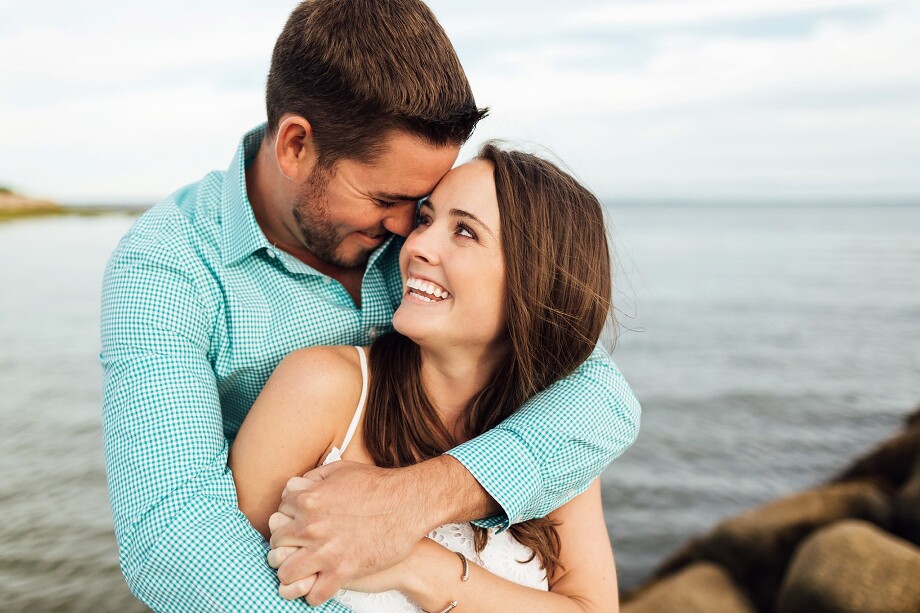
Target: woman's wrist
(428,568)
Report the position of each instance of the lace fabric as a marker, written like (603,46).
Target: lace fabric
(502,555)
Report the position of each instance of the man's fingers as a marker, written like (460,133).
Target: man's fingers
(298,589)
(277,519)
(277,556)
(323,589)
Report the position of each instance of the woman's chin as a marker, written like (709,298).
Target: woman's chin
(407,324)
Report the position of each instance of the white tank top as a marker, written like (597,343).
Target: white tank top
(502,555)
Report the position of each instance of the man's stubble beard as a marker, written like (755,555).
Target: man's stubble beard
(319,234)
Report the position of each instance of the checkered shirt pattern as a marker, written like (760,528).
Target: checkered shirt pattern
(197,310)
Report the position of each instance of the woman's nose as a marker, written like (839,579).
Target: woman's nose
(421,246)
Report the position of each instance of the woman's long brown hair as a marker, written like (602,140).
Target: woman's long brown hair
(558,300)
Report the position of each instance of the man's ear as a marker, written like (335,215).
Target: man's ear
(294,147)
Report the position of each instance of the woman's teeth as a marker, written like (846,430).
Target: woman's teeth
(435,293)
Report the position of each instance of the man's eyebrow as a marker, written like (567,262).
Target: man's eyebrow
(460,213)
(399,197)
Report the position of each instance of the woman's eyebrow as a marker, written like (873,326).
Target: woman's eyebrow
(468,215)
(458,213)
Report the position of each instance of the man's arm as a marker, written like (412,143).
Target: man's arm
(532,463)
(184,545)
(556,444)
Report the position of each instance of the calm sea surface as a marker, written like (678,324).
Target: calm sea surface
(768,345)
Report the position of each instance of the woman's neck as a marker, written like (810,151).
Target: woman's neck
(452,376)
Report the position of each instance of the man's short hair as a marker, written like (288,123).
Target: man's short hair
(357,69)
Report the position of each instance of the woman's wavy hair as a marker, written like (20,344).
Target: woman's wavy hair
(558,301)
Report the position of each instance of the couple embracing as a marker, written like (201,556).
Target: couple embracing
(344,371)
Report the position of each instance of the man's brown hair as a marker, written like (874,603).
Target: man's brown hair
(557,303)
(357,69)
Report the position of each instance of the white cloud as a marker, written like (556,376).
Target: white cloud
(135,48)
(637,97)
(491,20)
(135,146)
(699,12)
(691,69)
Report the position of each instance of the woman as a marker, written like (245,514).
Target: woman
(507,289)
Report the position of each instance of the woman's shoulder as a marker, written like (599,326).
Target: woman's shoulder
(327,364)
(325,380)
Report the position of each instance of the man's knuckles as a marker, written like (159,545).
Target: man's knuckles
(307,501)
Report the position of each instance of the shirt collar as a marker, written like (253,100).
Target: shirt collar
(240,232)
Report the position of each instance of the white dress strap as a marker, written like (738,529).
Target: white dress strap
(336,454)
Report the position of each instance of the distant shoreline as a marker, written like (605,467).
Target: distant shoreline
(15,206)
(68,211)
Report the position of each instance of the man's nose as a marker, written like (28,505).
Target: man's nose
(401,219)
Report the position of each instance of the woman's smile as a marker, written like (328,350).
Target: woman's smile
(425,291)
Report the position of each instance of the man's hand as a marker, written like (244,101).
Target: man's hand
(348,520)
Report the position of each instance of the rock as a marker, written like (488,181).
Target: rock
(890,463)
(913,420)
(700,588)
(756,546)
(852,567)
(906,522)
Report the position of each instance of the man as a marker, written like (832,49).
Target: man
(293,246)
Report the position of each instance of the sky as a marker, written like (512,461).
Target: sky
(108,102)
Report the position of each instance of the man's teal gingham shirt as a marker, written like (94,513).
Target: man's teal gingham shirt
(197,310)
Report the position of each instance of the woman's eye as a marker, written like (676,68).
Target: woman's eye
(423,220)
(464,231)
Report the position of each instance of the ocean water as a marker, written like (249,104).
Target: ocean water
(768,345)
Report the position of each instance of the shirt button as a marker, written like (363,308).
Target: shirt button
(270,253)
(373,333)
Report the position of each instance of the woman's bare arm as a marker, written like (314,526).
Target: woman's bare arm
(584,582)
(303,410)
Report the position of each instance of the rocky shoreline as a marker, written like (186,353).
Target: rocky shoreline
(849,546)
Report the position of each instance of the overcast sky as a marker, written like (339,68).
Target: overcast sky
(117,102)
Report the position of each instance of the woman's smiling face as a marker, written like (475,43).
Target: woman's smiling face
(453,266)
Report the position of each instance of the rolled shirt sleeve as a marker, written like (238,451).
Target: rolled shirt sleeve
(184,545)
(556,444)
